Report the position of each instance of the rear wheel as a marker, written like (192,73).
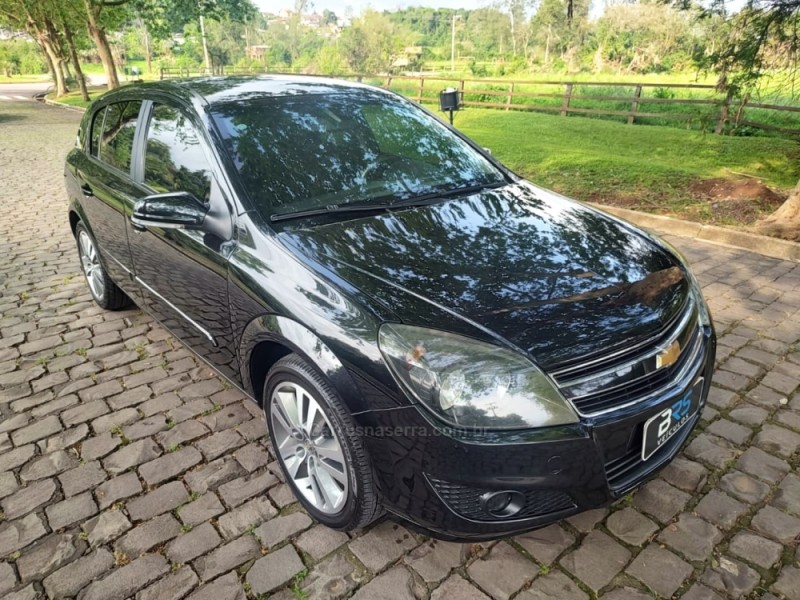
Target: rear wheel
(317,447)
(103,289)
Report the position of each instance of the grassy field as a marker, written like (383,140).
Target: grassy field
(24,79)
(655,169)
(656,99)
(75,98)
(701,117)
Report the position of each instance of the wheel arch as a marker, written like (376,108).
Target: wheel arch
(268,338)
(76,215)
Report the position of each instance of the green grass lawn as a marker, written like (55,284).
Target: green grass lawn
(75,99)
(637,166)
(24,78)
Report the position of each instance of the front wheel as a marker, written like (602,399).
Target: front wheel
(317,447)
(103,289)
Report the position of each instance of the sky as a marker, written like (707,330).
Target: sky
(339,6)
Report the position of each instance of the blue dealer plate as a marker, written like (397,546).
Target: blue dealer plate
(661,427)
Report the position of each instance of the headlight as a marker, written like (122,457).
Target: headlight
(470,383)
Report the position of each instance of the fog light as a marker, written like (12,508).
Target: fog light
(502,504)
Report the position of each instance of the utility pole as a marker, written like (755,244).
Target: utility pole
(205,44)
(453,46)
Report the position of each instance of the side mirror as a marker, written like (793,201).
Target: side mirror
(173,210)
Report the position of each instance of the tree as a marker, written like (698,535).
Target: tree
(369,44)
(67,16)
(762,39)
(160,16)
(329,17)
(643,37)
(560,26)
(517,11)
(36,18)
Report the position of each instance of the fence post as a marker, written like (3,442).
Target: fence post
(388,82)
(635,104)
(723,113)
(161,73)
(419,89)
(567,98)
(510,96)
(461,91)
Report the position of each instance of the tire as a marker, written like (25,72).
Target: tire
(308,458)
(105,292)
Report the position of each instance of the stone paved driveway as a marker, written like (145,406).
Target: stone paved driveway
(129,470)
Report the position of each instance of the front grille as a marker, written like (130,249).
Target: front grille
(465,501)
(626,471)
(629,376)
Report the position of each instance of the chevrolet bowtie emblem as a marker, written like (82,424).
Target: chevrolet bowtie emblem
(669,355)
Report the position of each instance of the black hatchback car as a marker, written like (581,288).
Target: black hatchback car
(427,333)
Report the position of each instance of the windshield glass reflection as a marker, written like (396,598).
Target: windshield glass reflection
(310,151)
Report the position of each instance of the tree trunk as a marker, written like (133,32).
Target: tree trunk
(547,46)
(100,40)
(513,32)
(147,50)
(76,63)
(50,67)
(784,222)
(55,60)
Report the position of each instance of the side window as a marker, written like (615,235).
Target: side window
(97,127)
(119,127)
(174,160)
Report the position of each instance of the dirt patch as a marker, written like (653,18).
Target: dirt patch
(735,190)
(732,201)
(740,202)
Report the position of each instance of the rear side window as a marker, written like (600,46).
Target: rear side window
(119,127)
(174,160)
(97,128)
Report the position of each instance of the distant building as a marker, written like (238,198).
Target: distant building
(409,57)
(257,52)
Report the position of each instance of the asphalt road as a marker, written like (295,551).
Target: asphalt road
(22,91)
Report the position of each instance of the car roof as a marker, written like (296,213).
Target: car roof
(221,89)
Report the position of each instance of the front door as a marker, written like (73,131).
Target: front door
(183,273)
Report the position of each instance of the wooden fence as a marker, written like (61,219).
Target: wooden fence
(559,97)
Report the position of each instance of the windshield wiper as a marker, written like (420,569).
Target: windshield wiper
(330,209)
(459,191)
(382,206)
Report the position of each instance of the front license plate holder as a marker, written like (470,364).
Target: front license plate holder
(666,423)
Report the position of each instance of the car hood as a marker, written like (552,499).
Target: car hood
(555,278)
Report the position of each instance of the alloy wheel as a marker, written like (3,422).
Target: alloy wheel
(309,448)
(91,265)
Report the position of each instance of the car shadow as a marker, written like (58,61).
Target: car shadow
(6,117)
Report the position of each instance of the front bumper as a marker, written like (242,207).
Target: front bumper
(434,478)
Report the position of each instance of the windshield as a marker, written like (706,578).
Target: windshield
(296,153)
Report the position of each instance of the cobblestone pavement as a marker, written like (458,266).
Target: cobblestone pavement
(128,470)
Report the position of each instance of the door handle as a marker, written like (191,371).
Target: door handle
(87,190)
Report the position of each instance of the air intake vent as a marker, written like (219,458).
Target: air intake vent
(466,501)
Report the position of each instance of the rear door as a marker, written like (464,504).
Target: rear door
(104,176)
(183,273)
